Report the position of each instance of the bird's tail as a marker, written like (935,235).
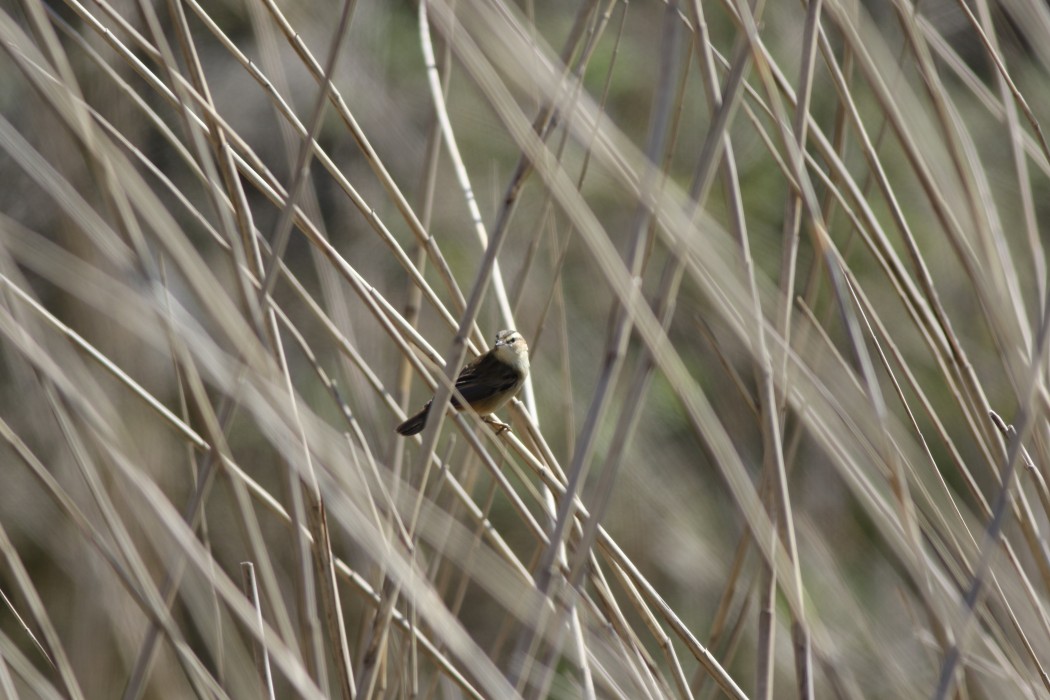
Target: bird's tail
(416,423)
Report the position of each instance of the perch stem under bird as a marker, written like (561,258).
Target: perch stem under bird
(486,384)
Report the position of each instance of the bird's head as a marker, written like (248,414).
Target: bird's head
(511,348)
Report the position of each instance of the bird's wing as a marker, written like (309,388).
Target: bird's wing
(484,377)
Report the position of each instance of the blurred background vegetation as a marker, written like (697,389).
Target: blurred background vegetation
(781,271)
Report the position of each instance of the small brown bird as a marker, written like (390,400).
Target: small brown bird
(487,383)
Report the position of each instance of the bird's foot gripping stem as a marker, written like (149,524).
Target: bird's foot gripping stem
(497,424)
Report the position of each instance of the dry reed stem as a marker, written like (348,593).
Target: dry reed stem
(803,445)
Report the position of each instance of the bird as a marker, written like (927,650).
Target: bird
(486,384)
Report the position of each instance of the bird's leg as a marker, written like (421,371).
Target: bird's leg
(496,423)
